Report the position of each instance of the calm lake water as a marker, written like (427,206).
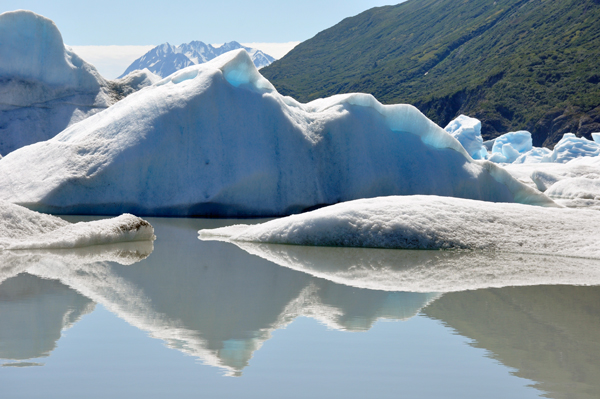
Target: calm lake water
(188,318)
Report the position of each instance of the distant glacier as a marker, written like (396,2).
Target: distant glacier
(165,59)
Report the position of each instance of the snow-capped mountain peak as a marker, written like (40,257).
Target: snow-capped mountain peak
(165,59)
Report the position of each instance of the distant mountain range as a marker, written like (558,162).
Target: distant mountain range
(513,64)
(165,59)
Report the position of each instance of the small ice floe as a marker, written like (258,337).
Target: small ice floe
(21,228)
(431,222)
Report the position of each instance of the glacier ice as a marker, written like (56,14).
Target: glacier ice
(535,155)
(217,139)
(134,81)
(572,184)
(467,131)
(571,147)
(596,137)
(509,146)
(44,86)
(431,222)
(21,228)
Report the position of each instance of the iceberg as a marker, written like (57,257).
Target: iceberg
(430,222)
(217,139)
(516,148)
(21,228)
(535,155)
(571,147)
(467,131)
(509,146)
(44,86)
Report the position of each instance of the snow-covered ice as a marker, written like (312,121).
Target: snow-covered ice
(131,83)
(467,131)
(573,184)
(44,86)
(21,228)
(431,222)
(217,139)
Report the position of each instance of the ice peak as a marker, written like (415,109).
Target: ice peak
(32,48)
(239,70)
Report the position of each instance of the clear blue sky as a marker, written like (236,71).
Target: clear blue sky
(137,22)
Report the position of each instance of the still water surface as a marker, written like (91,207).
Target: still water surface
(187,318)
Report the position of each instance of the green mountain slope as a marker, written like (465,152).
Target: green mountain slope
(514,64)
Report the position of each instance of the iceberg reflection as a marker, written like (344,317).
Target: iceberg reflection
(34,312)
(35,309)
(220,303)
(427,271)
(213,301)
(548,334)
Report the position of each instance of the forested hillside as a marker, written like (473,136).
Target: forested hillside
(514,64)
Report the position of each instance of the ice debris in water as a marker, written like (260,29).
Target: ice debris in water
(431,222)
(21,228)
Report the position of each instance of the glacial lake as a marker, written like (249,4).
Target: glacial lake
(185,318)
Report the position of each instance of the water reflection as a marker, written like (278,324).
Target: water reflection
(35,309)
(213,301)
(549,334)
(220,303)
(428,271)
(33,313)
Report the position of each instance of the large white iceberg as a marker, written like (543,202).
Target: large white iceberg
(467,131)
(45,86)
(431,222)
(217,139)
(21,228)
